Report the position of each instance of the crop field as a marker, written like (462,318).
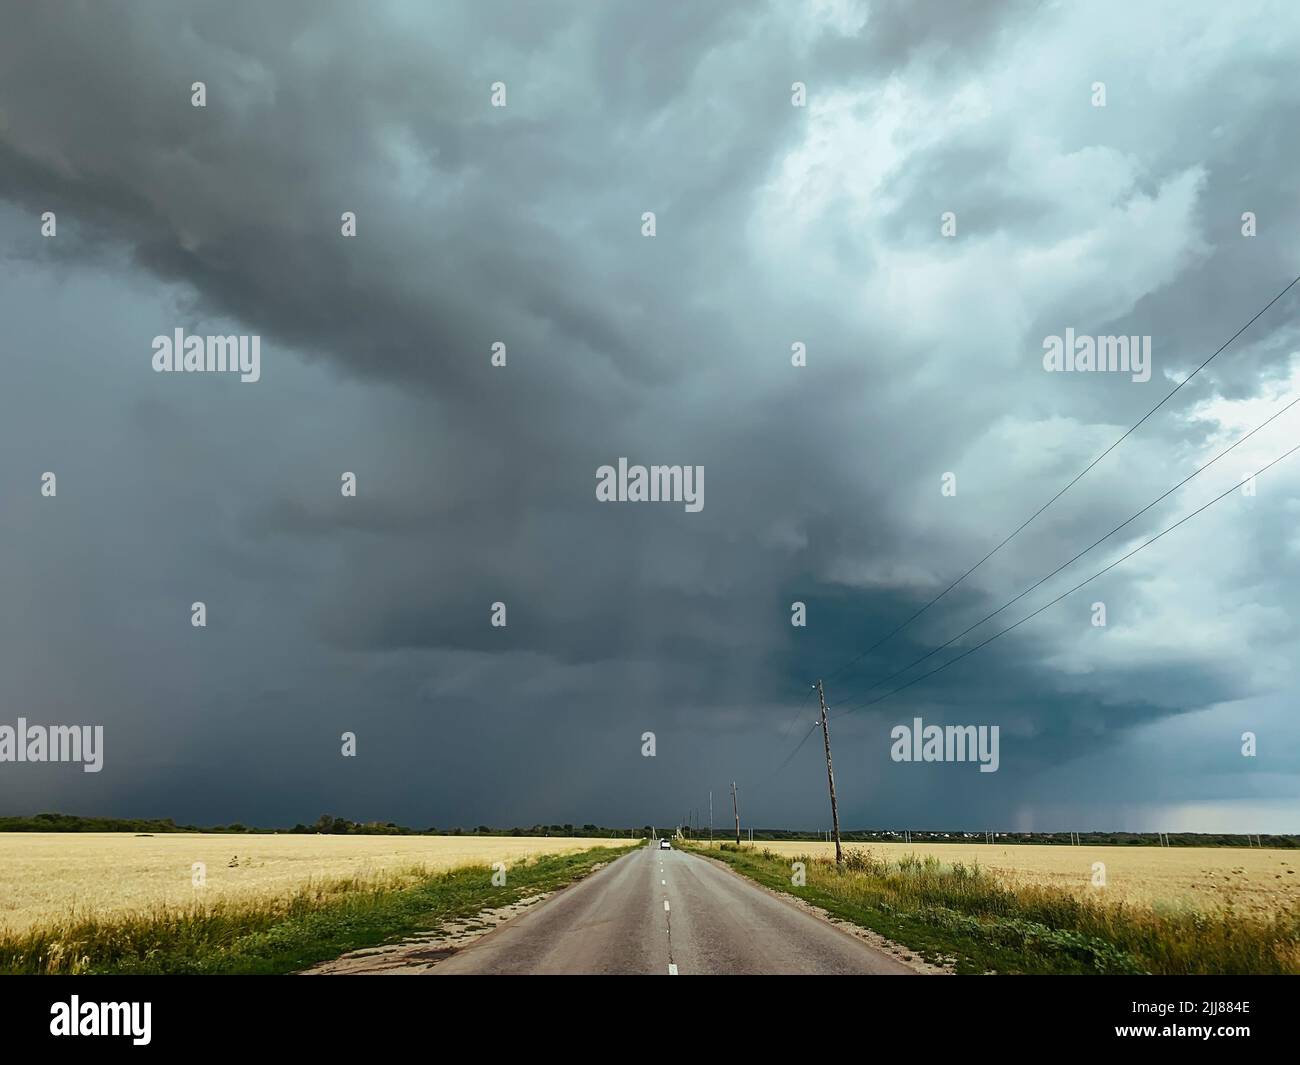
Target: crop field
(1250,881)
(47,876)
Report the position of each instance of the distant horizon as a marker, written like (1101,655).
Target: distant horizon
(719,833)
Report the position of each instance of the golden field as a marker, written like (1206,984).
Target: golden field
(1254,880)
(46,875)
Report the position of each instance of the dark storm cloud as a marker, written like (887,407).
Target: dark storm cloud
(522,224)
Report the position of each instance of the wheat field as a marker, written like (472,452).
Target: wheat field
(50,875)
(1259,881)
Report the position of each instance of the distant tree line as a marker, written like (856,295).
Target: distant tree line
(74,823)
(1060,839)
(327,824)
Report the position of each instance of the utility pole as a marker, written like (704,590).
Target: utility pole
(735,808)
(830,776)
(710,800)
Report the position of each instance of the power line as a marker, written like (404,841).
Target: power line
(790,757)
(807,695)
(907,621)
(1064,565)
(786,734)
(1027,617)
(1129,432)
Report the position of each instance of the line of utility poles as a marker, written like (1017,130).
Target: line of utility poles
(830,783)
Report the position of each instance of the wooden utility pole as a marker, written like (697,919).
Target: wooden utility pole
(735,808)
(830,776)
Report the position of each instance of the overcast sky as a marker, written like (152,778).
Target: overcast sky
(775,224)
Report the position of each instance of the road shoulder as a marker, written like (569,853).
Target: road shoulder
(896,951)
(418,954)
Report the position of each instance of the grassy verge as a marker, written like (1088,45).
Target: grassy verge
(961,913)
(281,935)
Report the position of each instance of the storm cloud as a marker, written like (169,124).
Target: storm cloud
(776,225)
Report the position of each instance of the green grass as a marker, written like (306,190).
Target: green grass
(962,914)
(281,935)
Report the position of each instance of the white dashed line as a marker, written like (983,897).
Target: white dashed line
(665,905)
(672,969)
(664,882)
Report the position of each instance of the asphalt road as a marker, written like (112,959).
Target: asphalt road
(670,913)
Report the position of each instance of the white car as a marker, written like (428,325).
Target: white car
(664,845)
